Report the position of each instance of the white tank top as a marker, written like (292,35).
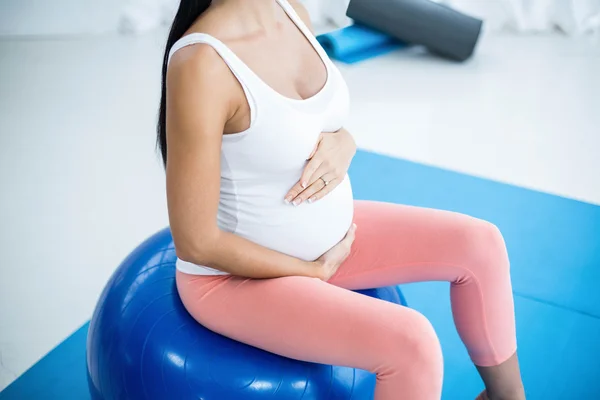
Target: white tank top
(261,164)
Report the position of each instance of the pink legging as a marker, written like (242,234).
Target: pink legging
(324,322)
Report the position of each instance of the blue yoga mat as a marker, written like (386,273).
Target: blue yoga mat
(555,257)
(357,43)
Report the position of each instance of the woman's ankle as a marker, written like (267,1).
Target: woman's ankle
(514,394)
(482,396)
(503,381)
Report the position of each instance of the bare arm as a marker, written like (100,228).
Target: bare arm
(200,90)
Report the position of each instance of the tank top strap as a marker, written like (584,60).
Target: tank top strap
(240,70)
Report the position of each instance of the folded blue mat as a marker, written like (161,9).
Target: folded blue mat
(356,43)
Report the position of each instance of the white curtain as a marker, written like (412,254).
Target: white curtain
(144,15)
(572,17)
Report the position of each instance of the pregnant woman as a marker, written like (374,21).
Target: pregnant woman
(269,240)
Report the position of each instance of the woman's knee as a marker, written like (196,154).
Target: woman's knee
(411,342)
(483,246)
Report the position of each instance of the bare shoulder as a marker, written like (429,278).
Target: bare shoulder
(200,87)
(302,12)
(200,62)
(196,63)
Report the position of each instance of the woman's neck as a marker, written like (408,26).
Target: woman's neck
(264,15)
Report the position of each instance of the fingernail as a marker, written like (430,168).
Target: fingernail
(303,185)
(297,201)
(311,199)
(286,200)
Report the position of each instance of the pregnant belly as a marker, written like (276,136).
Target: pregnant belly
(305,231)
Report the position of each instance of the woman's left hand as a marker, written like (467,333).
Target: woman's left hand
(327,167)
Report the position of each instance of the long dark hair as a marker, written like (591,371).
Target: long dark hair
(188,12)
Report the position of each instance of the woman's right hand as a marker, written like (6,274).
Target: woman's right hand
(329,262)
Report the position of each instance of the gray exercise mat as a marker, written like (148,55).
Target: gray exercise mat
(441,29)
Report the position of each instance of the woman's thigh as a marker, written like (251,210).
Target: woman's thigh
(311,320)
(399,244)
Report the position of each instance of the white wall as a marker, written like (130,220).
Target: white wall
(72,17)
(58,17)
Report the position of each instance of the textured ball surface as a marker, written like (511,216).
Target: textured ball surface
(142,344)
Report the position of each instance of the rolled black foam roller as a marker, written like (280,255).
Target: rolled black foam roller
(441,29)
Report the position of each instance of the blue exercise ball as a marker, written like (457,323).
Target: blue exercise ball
(142,344)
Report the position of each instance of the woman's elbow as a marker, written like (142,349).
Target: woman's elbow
(199,249)
(188,254)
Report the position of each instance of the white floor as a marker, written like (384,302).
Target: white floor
(81,184)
